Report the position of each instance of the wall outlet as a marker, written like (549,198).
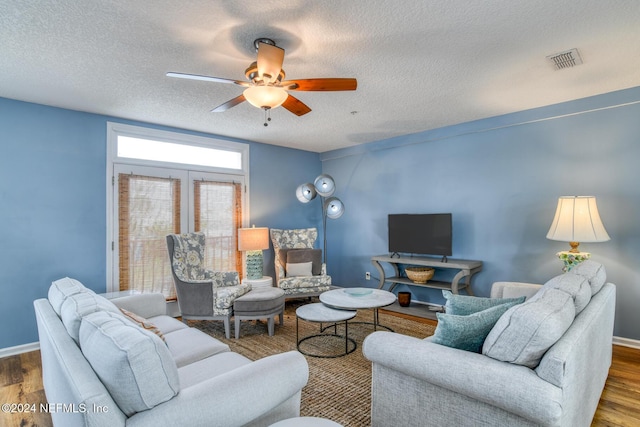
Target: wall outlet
(367,275)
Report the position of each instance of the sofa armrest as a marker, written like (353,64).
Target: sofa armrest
(514,289)
(514,388)
(234,398)
(145,305)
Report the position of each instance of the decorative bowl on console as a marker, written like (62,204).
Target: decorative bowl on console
(419,274)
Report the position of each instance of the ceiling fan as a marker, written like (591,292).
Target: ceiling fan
(267,88)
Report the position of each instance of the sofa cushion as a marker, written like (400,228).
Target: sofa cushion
(463,305)
(61,289)
(133,364)
(575,285)
(526,331)
(594,272)
(467,332)
(299,269)
(190,345)
(166,323)
(76,306)
(314,256)
(142,322)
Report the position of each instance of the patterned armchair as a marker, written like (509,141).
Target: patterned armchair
(294,248)
(202,294)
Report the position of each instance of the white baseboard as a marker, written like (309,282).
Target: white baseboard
(626,342)
(19,349)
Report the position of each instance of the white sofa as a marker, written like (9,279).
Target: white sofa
(106,370)
(515,381)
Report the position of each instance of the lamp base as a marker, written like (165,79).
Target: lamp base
(254,265)
(571,259)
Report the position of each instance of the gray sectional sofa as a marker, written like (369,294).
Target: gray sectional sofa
(109,367)
(541,363)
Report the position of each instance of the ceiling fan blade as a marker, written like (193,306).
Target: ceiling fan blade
(270,60)
(320,84)
(229,104)
(296,106)
(206,78)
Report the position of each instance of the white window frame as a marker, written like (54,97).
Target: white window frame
(114,162)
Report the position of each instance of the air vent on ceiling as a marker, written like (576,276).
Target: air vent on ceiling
(566,59)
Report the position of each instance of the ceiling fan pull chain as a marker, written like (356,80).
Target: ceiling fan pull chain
(267,115)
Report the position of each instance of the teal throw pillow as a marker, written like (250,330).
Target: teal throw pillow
(463,305)
(468,332)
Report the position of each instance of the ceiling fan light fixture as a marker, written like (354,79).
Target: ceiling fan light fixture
(266,97)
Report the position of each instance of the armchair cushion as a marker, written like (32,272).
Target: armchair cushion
(298,269)
(463,305)
(133,364)
(468,332)
(525,332)
(295,256)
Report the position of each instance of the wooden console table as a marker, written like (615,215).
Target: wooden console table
(462,279)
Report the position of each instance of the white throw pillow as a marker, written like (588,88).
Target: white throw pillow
(61,289)
(575,285)
(299,269)
(135,365)
(594,272)
(76,306)
(525,332)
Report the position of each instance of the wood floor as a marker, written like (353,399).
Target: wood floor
(21,382)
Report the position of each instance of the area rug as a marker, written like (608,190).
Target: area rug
(339,388)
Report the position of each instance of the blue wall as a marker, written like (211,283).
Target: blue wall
(500,178)
(53,203)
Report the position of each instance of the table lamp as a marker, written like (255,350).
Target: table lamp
(576,220)
(252,241)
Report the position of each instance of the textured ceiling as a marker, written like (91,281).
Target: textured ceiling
(420,64)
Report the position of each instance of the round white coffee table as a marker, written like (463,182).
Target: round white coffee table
(306,422)
(320,313)
(359,298)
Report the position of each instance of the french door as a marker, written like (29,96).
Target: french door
(152,202)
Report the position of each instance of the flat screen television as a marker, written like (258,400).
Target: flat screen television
(424,234)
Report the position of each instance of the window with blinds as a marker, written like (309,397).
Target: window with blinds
(218,213)
(149,209)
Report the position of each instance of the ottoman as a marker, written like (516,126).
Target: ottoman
(259,303)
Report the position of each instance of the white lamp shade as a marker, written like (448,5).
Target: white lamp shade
(334,208)
(325,185)
(306,192)
(253,239)
(265,96)
(577,220)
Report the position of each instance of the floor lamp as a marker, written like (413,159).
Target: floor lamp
(332,207)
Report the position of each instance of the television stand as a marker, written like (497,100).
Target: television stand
(461,280)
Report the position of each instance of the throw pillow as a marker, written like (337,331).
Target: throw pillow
(299,269)
(463,305)
(305,255)
(76,306)
(61,289)
(594,272)
(575,285)
(134,365)
(143,323)
(525,332)
(468,332)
